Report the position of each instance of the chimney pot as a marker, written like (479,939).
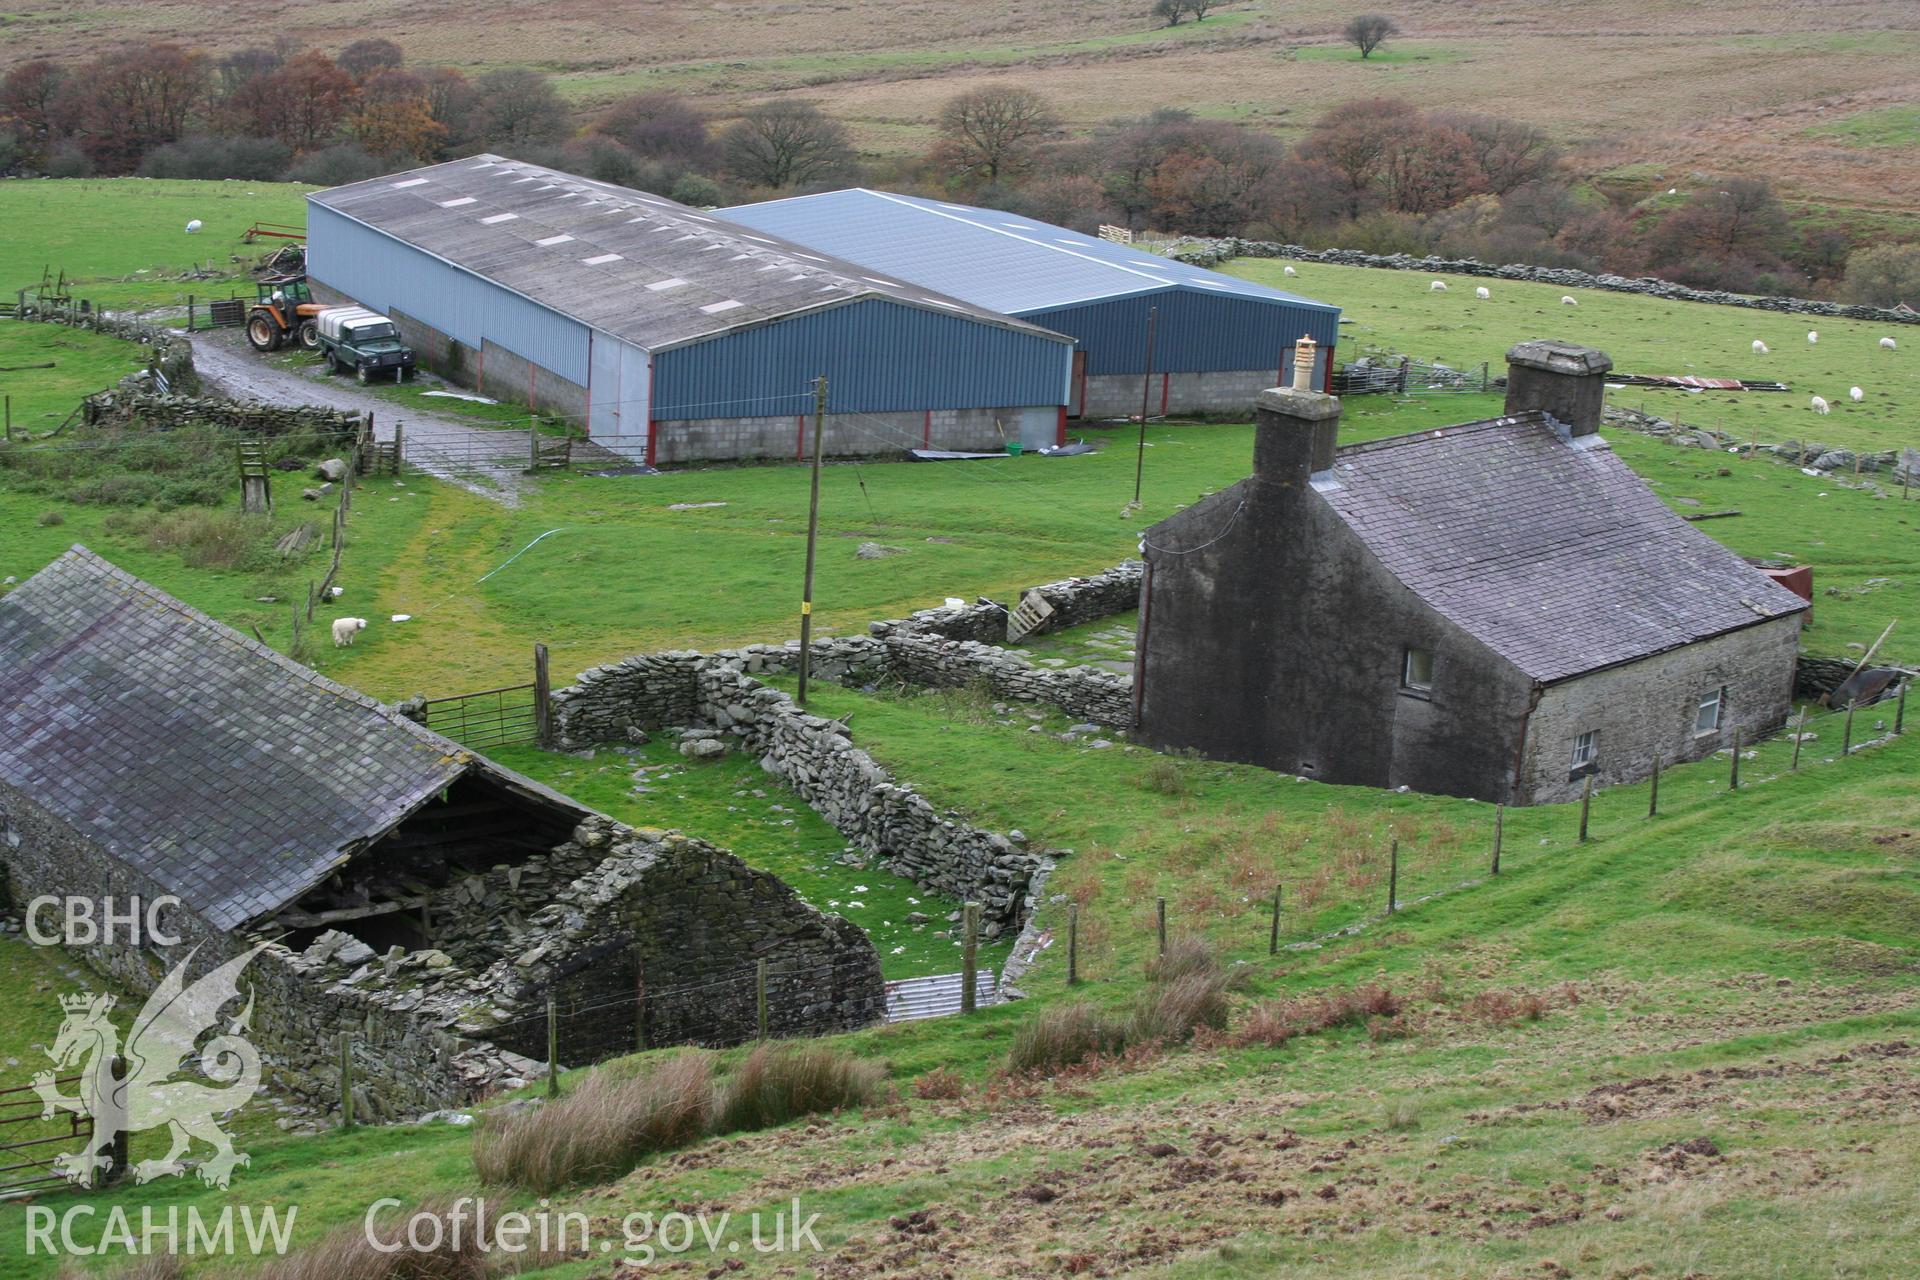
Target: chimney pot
(1303,362)
(1563,379)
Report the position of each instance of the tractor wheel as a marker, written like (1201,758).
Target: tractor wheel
(362,375)
(309,335)
(262,333)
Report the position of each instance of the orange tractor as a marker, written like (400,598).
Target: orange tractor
(285,312)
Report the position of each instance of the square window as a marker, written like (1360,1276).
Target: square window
(1416,671)
(1706,716)
(1586,750)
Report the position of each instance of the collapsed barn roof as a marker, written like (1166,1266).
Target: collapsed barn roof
(222,771)
(637,266)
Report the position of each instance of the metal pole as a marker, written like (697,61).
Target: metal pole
(553,1046)
(1586,804)
(1499,834)
(1146,389)
(970,958)
(1273,933)
(813,537)
(1733,778)
(1160,911)
(1393,878)
(1653,796)
(1900,712)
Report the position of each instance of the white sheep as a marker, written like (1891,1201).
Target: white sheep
(1483,293)
(1290,271)
(193,228)
(1568,300)
(1820,406)
(344,630)
(1888,344)
(1856,395)
(1813,336)
(1760,348)
(1438,286)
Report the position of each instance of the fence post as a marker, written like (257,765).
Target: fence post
(1653,796)
(542,697)
(533,446)
(760,994)
(189,313)
(1846,738)
(1733,778)
(639,1003)
(1586,804)
(311,594)
(1393,877)
(1273,933)
(346,1081)
(1499,834)
(1798,737)
(9,412)
(117,1158)
(1160,924)
(398,428)
(969,957)
(1073,944)
(1900,711)
(553,1046)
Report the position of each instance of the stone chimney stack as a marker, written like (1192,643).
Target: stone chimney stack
(1295,427)
(1562,378)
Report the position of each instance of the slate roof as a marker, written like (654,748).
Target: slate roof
(638,266)
(226,773)
(1552,553)
(1005,261)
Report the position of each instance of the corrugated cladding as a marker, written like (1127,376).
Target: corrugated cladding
(1195,331)
(878,357)
(384,273)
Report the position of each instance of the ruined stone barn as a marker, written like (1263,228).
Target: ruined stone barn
(1499,609)
(1218,340)
(147,751)
(670,334)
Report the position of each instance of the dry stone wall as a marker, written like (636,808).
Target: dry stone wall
(1208,253)
(172,352)
(889,819)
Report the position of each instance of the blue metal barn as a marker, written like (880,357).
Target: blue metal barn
(1218,340)
(671,334)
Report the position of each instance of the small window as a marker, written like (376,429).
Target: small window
(1586,749)
(1706,717)
(1416,672)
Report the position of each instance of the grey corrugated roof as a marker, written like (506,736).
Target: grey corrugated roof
(224,772)
(594,251)
(1005,261)
(1554,554)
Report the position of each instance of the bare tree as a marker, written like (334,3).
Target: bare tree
(1511,154)
(364,57)
(988,135)
(1201,8)
(516,106)
(659,126)
(1169,11)
(785,144)
(1883,276)
(1369,31)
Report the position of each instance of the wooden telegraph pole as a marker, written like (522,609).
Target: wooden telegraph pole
(1146,391)
(813,538)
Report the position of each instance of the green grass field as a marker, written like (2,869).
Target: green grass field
(1394,311)
(122,238)
(1736,974)
(83,363)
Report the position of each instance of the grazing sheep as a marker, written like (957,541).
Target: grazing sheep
(1760,348)
(1856,395)
(1438,286)
(1820,406)
(344,629)
(1568,300)
(1888,344)
(193,228)
(1483,293)
(1290,271)
(1813,335)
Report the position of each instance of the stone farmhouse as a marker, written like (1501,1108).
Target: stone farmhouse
(1498,609)
(419,898)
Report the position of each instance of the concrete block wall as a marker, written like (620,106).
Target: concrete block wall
(844,435)
(1209,393)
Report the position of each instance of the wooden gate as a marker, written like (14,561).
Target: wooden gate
(29,1145)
